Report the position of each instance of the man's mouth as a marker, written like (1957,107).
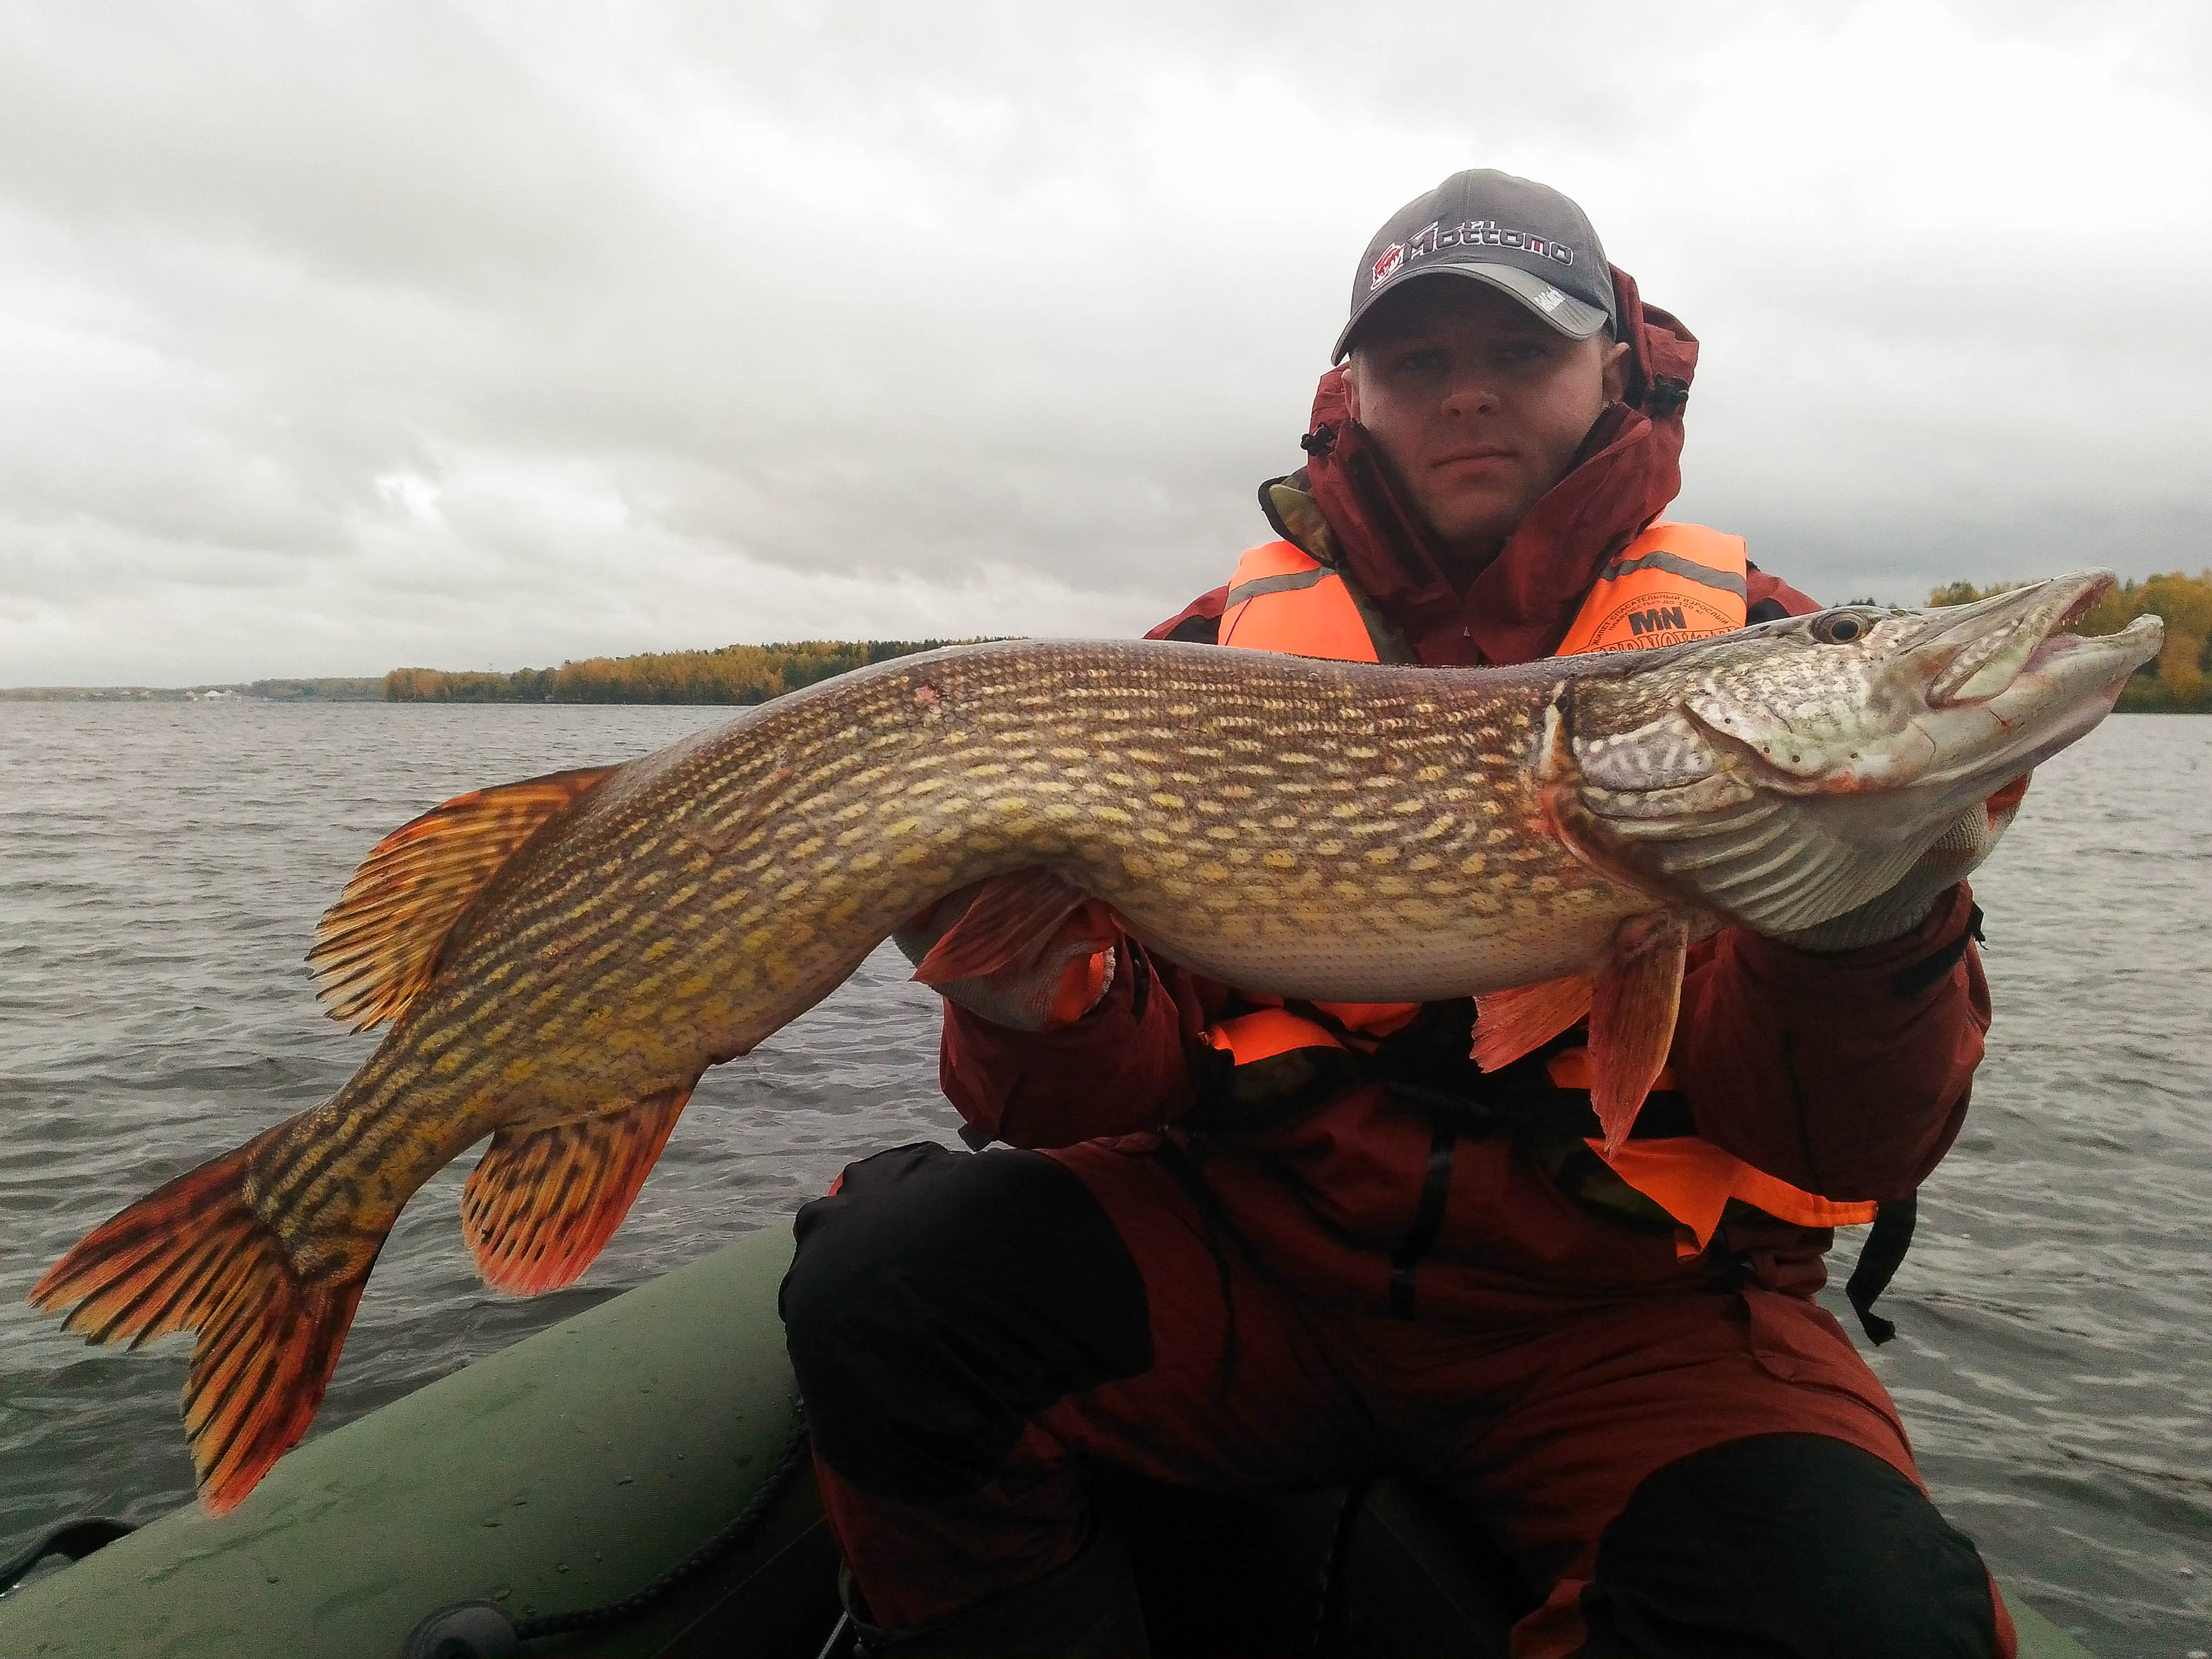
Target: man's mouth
(1482,452)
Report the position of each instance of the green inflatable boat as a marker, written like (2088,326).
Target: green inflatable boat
(629,1482)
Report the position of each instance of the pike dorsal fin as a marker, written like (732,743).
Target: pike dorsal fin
(376,948)
(1513,1023)
(1632,1018)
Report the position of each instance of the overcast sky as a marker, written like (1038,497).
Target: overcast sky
(337,337)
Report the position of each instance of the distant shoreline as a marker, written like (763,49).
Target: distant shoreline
(362,689)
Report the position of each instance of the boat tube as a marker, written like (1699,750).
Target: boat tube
(633,1481)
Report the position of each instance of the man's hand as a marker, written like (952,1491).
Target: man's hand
(1901,909)
(1056,985)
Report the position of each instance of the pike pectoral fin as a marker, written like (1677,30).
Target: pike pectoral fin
(1510,1023)
(193,1255)
(1009,920)
(543,1200)
(377,947)
(1631,1018)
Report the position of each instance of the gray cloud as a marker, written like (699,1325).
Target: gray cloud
(337,337)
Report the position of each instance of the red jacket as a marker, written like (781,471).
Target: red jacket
(1811,1068)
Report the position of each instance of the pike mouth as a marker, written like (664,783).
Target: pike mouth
(2010,700)
(2010,634)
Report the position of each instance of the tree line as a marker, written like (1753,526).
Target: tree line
(731,674)
(2179,679)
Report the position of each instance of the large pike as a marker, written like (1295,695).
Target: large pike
(562,958)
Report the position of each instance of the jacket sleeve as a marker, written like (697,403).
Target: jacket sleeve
(1845,1075)
(1124,1066)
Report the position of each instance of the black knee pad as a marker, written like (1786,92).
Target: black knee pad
(1786,1545)
(939,1300)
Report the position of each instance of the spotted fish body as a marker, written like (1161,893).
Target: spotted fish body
(561,959)
(1335,831)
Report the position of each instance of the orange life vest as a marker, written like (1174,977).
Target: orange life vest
(1675,582)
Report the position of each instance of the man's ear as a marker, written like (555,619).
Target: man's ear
(1352,384)
(1615,372)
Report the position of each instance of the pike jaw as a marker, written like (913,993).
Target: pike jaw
(1786,773)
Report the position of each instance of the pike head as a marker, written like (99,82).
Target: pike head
(1784,773)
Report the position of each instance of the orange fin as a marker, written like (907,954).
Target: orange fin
(1011,918)
(1513,1023)
(192,1255)
(543,1201)
(377,947)
(1632,1018)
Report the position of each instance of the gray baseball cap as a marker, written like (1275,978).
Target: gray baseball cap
(1522,238)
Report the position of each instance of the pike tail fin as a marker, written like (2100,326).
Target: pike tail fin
(544,1199)
(192,1255)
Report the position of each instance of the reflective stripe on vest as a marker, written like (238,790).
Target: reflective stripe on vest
(1283,599)
(1674,582)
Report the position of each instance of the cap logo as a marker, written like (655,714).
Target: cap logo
(1473,233)
(1386,263)
(1550,301)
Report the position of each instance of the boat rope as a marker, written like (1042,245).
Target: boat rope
(796,1452)
(484,1630)
(75,1538)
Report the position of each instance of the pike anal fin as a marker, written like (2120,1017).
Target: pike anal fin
(543,1200)
(1632,1018)
(377,947)
(192,1255)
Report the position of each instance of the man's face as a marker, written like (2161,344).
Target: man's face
(1477,403)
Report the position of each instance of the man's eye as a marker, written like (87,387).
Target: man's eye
(1425,364)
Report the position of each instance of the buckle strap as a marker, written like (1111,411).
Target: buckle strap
(1909,982)
(1880,1257)
(1428,1218)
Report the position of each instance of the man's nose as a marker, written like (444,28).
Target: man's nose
(1470,394)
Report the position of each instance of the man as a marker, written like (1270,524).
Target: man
(1318,1242)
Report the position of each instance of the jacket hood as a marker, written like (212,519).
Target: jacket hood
(1520,603)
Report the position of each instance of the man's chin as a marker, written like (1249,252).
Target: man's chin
(1475,533)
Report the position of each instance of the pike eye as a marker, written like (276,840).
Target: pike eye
(1839,629)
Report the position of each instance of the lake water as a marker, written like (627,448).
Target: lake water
(161,866)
